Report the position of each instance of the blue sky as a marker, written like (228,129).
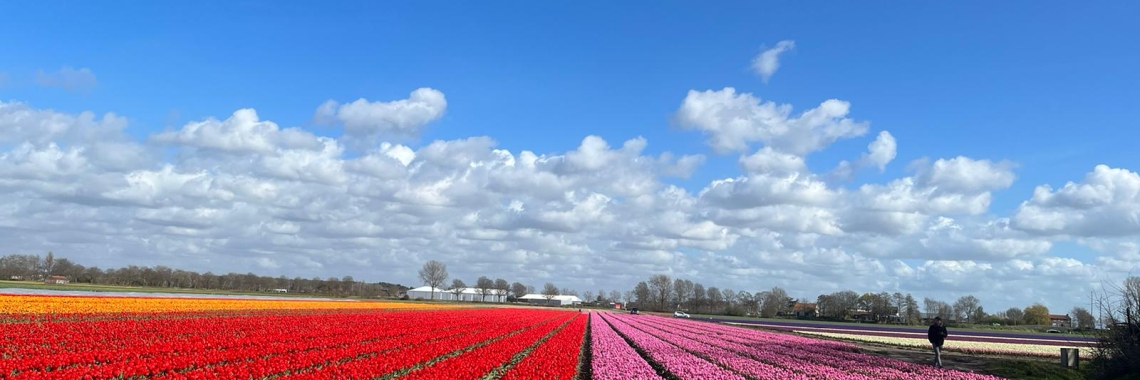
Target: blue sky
(1047,85)
(1003,81)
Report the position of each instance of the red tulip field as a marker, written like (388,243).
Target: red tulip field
(79,339)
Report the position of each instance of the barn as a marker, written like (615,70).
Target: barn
(538,299)
(468,295)
(57,280)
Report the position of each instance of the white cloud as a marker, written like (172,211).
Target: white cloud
(769,161)
(19,122)
(1106,203)
(966,175)
(374,119)
(768,61)
(734,121)
(242,132)
(243,194)
(67,78)
(879,153)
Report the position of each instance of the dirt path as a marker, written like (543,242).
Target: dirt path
(951,360)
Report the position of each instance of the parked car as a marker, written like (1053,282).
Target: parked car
(1053,331)
(680,314)
(633,310)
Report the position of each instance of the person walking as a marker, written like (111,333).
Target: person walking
(937,336)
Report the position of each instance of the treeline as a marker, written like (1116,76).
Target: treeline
(662,293)
(35,267)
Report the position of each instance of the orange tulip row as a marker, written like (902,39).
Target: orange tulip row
(16,306)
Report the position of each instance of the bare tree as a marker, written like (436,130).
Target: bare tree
(682,290)
(588,296)
(775,302)
(714,299)
(615,296)
(661,286)
(913,316)
(1085,320)
(457,288)
(49,264)
(729,297)
(1015,316)
(1117,352)
(433,274)
(641,291)
(519,289)
(899,304)
(930,306)
(502,288)
(967,307)
(697,301)
(549,291)
(746,302)
(485,286)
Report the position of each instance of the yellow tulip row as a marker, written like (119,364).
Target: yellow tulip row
(24,305)
(971,347)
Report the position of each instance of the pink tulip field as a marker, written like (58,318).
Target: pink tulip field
(625,346)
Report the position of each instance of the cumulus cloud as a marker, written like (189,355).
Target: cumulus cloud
(1105,204)
(80,80)
(768,61)
(243,132)
(373,119)
(244,194)
(734,121)
(965,175)
(879,153)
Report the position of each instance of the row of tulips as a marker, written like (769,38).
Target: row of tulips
(555,359)
(613,358)
(835,354)
(149,343)
(476,363)
(404,359)
(253,346)
(969,347)
(281,361)
(31,307)
(742,359)
(761,355)
(671,354)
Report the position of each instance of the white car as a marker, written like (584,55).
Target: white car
(680,314)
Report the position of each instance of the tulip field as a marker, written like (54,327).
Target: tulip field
(965,346)
(54,337)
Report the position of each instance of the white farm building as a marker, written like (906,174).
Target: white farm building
(468,294)
(538,299)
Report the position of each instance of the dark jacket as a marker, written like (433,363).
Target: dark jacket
(937,334)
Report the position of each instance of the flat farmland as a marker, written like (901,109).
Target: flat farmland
(53,337)
(970,342)
(875,328)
